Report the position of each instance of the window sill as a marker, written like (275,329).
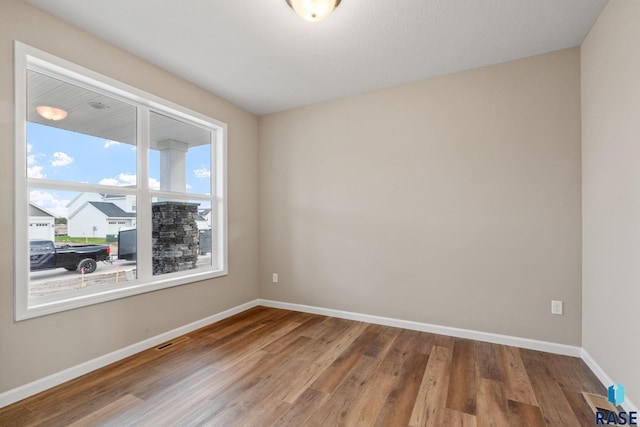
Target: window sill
(42,306)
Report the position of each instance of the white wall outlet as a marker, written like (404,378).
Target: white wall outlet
(275,278)
(556,307)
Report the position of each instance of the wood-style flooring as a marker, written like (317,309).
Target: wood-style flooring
(268,367)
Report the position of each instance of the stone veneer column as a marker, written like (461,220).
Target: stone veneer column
(175,236)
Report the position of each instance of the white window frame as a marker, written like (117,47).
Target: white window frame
(26,306)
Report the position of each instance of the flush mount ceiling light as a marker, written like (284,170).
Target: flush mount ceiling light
(313,10)
(51,113)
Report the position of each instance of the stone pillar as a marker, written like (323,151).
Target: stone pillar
(173,165)
(175,236)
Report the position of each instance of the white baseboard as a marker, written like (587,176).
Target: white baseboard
(605,379)
(53,380)
(527,343)
(19,393)
(549,347)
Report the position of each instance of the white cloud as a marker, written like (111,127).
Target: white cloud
(202,173)
(108,143)
(125,179)
(35,172)
(109,181)
(121,180)
(50,202)
(61,159)
(31,158)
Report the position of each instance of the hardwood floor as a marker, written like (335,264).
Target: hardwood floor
(268,367)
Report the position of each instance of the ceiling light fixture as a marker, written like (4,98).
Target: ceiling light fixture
(51,113)
(98,105)
(313,10)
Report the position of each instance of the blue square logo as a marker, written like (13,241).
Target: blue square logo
(616,394)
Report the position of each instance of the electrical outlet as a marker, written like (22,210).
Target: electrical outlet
(275,278)
(556,307)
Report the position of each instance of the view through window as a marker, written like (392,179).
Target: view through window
(95,230)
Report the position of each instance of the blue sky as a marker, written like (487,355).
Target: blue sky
(58,154)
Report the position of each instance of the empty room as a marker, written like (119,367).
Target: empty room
(319,212)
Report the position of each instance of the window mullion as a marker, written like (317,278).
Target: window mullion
(216,204)
(219,196)
(144,197)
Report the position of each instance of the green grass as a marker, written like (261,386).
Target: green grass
(83,240)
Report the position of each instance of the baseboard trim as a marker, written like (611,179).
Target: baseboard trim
(531,344)
(42,384)
(604,378)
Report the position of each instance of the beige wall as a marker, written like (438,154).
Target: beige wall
(453,201)
(35,348)
(611,193)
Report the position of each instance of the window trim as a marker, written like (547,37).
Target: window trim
(27,57)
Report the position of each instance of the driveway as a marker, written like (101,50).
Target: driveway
(120,271)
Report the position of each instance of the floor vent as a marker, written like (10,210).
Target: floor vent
(599,403)
(170,344)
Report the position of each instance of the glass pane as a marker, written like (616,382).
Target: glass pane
(180,156)
(77,135)
(182,236)
(80,240)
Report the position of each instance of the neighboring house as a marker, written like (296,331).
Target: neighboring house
(81,200)
(96,215)
(97,219)
(41,223)
(202,222)
(206,214)
(126,202)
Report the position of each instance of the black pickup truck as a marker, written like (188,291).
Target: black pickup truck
(44,255)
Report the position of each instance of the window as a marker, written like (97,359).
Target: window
(83,144)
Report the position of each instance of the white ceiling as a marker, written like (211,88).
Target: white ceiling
(259,55)
(116,121)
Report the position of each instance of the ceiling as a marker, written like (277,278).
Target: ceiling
(91,113)
(259,55)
